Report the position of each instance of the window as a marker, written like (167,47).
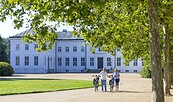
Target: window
(67,61)
(82,61)
(35,46)
(118,61)
(64,30)
(35,60)
(51,62)
(17,47)
(135,71)
(126,70)
(99,49)
(26,46)
(67,49)
(59,49)
(142,63)
(59,61)
(135,62)
(26,60)
(74,49)
(118,49)
(17,60)
(82,48)
(74,61)
(45,61)
(92,61)
(66,70)
(109,61)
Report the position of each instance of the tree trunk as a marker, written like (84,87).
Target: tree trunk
(171,70)
(155,53)
(166,60)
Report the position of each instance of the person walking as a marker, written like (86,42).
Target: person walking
(116,77)
(103,75)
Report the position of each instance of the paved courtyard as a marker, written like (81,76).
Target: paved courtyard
(133,88)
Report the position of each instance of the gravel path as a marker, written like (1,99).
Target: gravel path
(133,88)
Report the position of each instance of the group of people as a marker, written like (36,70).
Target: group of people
(113,82)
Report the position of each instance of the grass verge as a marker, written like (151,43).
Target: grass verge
(23,86)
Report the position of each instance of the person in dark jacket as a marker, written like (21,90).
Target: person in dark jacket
(111,83)
(96,82)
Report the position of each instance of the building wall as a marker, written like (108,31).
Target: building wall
(130,67)
(48,61)
(99,54)
(42,66)
(71,54)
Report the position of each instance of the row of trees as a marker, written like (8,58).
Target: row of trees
(141,28)
(4,50)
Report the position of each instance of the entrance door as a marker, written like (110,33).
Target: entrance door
(100,62)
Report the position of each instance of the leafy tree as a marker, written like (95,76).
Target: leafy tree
(146,71)
(100,22)
(7,44)
(165,9)
(3,54)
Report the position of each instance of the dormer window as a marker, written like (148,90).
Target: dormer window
(64,30)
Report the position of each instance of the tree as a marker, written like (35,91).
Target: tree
(3,54)
(7,44)
(100,22)
(165,19)
(155,52)
(171,62)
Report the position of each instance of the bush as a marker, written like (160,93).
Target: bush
(6,69)
(146,71)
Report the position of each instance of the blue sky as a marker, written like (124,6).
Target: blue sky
(7,28)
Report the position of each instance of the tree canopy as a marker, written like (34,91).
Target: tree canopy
(106,23)
(3,53)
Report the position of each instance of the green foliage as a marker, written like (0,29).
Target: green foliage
(21,86)
(3,49)
(101,23)
(7,44)
(146,71)
(6,69)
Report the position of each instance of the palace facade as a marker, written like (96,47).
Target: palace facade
(69,54)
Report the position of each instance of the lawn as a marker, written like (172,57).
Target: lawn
(22,86)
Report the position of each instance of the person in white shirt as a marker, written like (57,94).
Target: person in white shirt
(103,75)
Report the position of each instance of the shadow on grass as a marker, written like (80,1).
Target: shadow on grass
(37,92)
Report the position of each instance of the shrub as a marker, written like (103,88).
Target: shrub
(6,69)
(146,71)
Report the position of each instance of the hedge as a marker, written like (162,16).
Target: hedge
(6,69)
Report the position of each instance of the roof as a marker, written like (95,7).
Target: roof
(61,35)
(67,35)
(20,35)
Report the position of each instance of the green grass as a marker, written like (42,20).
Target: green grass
(23,86)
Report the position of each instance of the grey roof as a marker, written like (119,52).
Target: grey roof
(20,35)
(67,35)
(61,35)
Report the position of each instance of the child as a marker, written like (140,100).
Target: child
(111,83)
(96,82)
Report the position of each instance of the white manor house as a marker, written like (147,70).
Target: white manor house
(69,54)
